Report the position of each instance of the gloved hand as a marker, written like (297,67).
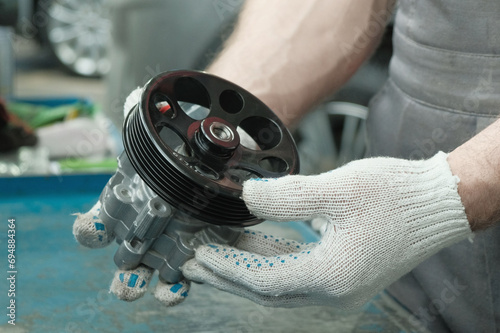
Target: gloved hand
(385,216)
(130,285)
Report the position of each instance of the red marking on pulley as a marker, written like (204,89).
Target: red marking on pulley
(165,108)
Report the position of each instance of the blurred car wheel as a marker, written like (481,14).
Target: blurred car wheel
(77,32)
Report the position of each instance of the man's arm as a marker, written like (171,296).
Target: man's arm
(294,53)
(477,164)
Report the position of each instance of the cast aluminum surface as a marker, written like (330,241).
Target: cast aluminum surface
(149,230)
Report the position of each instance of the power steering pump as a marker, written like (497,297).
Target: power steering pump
(190,143)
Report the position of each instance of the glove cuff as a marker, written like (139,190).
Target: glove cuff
(436,216)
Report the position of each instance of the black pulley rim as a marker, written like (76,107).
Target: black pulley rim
(194,138)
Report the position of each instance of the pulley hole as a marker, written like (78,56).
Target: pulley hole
(163,106)
(194,111)
(273,164)
(193,97)
(264,132)
(239,175)
(246,140)
(207,172)
(231,101)
(173,140)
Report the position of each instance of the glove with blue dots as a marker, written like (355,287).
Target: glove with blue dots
(384,217)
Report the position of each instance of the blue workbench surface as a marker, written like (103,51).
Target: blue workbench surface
(63,287)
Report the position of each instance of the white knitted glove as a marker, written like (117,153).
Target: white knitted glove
(90,231)
(385,216)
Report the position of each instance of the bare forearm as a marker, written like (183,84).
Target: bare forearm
(477,164)
(294,53)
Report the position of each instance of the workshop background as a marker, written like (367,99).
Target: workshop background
(66,67)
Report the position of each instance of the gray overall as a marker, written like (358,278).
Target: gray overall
(444,87)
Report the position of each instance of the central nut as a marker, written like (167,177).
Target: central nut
(221,131)
(217,137)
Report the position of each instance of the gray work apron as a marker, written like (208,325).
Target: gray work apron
(444,87)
